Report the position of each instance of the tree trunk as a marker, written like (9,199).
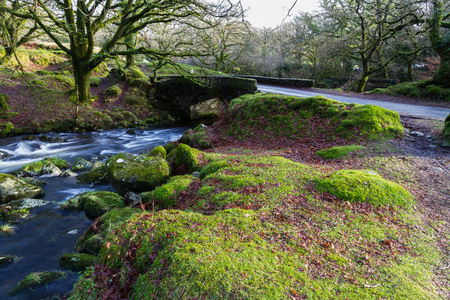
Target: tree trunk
(130,41)
(9,51)
(82,83)
(440,44)
(442,75)
(362,82)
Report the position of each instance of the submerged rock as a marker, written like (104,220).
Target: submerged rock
(37,279)
(81,164)
(4,155)
(12,188)
(77,262)
(94,203)
(51,170)
(5,259)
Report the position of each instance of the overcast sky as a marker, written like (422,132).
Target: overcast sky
(270,13)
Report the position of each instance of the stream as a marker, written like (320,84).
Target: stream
(48,232)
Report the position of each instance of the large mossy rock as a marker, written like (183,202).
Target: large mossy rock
(292,117)
(185,159)
(94,203)
(137,173)
(34,280)
(13,188)
(364,186)
(92,240)
(96,174)
(77,262)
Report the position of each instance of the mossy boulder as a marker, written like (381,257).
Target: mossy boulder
(77,262)
(13,188)
(94,203)
(364,186)
(137,173)
(158,151)
(113,91)
(186,157)
(81,164)
(197,138)
(292,117)
(92,240)
(34,280)
(96,174)
(170,146)
(36,167)
(167,194)
(339,151)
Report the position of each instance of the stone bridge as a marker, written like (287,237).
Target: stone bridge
(187,99)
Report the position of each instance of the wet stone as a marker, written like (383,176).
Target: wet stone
(417,133)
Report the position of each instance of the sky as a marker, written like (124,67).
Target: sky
(270,13)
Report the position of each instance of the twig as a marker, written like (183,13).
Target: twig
(448,266)
(372,286)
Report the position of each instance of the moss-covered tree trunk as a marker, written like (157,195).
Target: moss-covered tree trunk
(440,44)
(82,81)
(130,41)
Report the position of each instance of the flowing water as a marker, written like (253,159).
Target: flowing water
(49,232)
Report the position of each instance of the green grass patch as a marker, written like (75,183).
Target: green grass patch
(364,186)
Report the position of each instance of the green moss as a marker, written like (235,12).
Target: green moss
(13,188)
(421,89)
(364,186)
(3,105)
(112,91)
(95,81)
(291,117)
(187,156)
(77,262)
(167,194)
(37,166)
(92,241)
(170,146)
(94,203)
(137,172)
(369,120)
(98,203)
(339,152)
(96,175)
(134,72)
(34,280)
(135,96)
(158,151)
(6,129)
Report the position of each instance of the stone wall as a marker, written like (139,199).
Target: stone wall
(280,81)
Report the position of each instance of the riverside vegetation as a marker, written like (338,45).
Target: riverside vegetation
(282,198)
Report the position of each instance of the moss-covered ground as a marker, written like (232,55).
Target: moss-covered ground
(255,225)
